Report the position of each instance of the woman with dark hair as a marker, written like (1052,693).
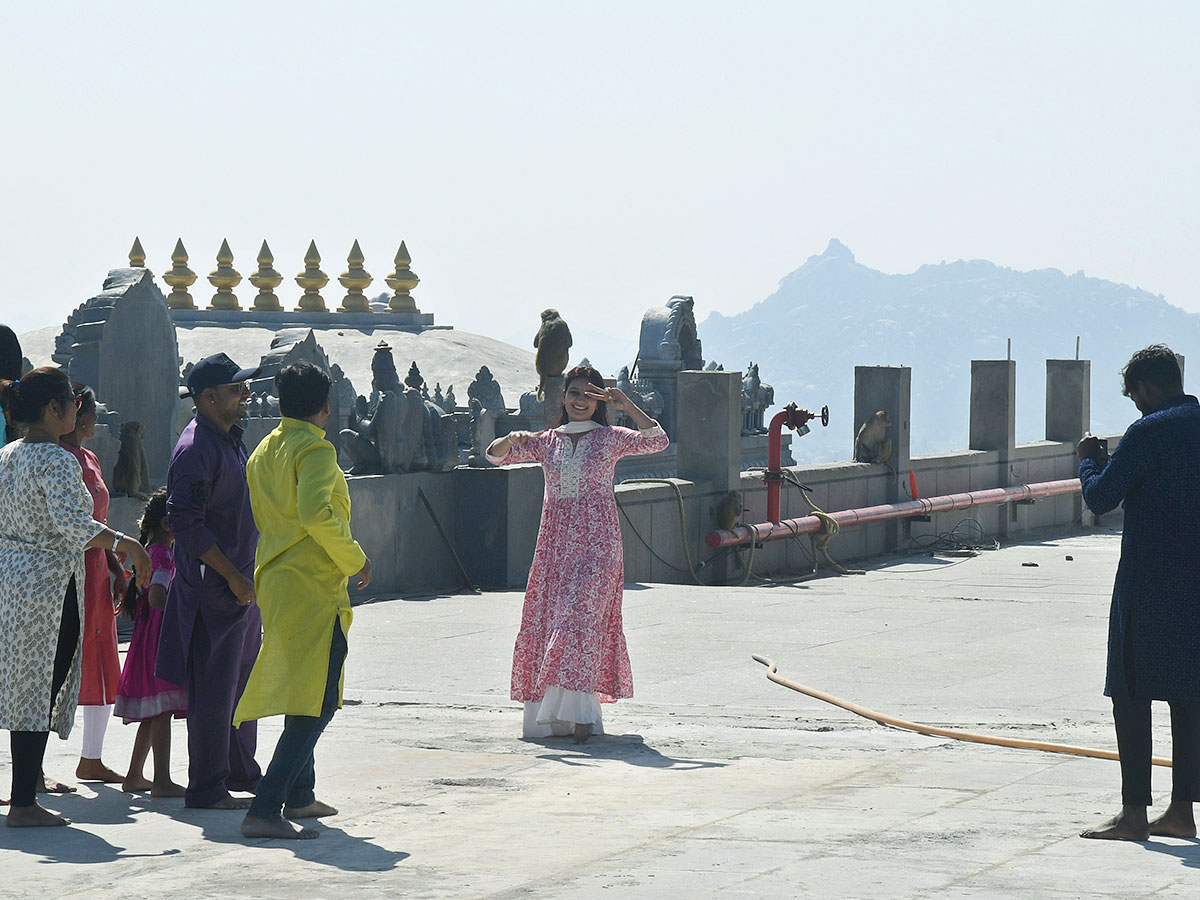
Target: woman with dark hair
(570,654)
(10,369)
(45,525)
(101,665)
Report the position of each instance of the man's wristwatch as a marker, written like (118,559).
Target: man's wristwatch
(116,540)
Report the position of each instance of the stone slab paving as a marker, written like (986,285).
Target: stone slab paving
(713,782)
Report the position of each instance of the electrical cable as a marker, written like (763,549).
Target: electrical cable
(687,553)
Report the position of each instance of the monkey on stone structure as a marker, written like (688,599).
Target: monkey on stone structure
(553,345)
(872,445)
(131,474)
(727,513)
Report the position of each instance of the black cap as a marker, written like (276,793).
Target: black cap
(212,371)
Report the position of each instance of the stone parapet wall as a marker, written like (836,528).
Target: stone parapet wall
(491,516)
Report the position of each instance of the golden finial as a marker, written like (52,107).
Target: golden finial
(355,279)
(224,278)
(180,278)
(266,279)
(402,281)
(137,256)
(312,279)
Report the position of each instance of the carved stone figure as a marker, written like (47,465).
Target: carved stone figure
(131,474)
(386,438)
(414,378)
(483,432)
(440,450)
(553,345)
(486,390)
(384,376)
(872,445)
(757,397)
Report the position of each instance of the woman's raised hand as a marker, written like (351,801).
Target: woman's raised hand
(614,397)
(519,438)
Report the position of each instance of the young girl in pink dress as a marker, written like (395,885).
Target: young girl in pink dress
(141,695)
(570,654)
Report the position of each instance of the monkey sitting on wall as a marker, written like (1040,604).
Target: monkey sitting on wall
(872,445)
(727,513)
(131,474)
(553,345)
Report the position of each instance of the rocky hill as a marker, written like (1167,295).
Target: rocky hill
(834,313)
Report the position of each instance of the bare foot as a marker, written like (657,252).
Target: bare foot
(1130,825)
(227,803)
(582,733)
(1177,821)
(312,811)
(96,770)
(136,785)
(33,817)
(262,827)
(170,789)
(50,786)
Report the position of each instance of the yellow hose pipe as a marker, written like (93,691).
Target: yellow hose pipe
(933,730)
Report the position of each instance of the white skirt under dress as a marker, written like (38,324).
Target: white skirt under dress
(559,711)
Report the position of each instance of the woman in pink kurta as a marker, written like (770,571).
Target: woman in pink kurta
(570,654)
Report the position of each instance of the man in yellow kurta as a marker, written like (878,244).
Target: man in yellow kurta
(305,556)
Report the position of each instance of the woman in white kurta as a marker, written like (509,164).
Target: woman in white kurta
(45,525)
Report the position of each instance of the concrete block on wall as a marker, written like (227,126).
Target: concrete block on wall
(993,424)
(710,428)
(1068,399)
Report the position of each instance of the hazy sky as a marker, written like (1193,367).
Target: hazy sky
(595,157)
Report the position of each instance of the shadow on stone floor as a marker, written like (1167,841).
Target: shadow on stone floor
(335,847)
(1188,852)
(628,748)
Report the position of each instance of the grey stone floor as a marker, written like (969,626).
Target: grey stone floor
(714,781)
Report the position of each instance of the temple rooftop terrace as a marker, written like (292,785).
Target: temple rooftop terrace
(714,781)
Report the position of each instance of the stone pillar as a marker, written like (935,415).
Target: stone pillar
(709,435)
(709,446)
(888,388)
(994,406)
(994,424)
(1068,399)
(552,400)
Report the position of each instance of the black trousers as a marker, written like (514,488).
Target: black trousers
(29,747)
(1134,743)
(291,778)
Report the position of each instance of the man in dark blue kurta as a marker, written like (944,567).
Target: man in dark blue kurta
(212,627)
(1154,623)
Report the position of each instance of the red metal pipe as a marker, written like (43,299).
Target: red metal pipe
(772,531)
(793,418)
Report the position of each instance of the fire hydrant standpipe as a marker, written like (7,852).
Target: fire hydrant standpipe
(795,419)
(933,730)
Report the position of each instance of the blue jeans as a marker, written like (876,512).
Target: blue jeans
(291,777)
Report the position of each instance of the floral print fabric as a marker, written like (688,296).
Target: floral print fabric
(571,630)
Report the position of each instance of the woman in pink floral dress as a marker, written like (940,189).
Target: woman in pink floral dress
(570,654)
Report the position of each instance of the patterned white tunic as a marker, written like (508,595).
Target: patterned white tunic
(45,521)
(571,633)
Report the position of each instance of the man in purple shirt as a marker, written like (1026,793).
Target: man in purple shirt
(212,627)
